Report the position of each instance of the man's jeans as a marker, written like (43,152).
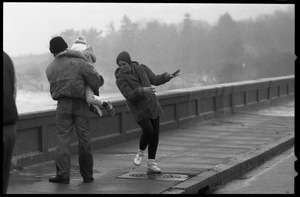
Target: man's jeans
(69,113)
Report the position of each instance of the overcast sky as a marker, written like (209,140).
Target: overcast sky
(28,27)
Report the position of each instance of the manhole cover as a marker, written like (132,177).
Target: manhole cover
(162,176)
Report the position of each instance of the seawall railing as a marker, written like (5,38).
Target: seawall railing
(37,137)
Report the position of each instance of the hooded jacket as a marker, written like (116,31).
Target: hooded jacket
(87,54)
(141,104)
(69,76)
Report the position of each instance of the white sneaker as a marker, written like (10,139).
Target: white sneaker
(152,168)
(138,158)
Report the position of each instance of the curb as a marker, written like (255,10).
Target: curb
(237,166)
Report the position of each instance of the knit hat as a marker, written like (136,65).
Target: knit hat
(79,44)
(57,45)
(124,56)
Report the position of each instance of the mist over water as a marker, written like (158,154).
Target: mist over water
(206,54)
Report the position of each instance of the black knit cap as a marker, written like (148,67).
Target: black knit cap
(124,56)
(57,45)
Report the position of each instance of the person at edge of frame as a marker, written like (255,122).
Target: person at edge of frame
(10,116)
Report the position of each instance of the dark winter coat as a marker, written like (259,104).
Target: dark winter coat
(69,76)
(10,113)
(141,104)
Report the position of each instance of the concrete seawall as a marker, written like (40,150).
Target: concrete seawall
(37,140)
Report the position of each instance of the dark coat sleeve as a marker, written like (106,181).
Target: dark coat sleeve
(92,77)
(156,79)
(128,91)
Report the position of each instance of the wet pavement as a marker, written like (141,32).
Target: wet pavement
(275,176)
(192,157)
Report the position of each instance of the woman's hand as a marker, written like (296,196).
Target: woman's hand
(149,90)
(176,73)
(173,75)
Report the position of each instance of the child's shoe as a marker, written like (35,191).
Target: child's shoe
(109,108)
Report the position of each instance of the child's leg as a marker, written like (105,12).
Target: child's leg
(97,102)
(89,94)
(91,98)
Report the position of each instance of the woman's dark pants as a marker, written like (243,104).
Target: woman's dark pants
(150,136)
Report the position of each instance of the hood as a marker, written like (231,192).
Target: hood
(91,53)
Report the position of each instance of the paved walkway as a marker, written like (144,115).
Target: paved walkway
(275,176)
(192,157)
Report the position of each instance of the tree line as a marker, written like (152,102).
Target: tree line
(227,51)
